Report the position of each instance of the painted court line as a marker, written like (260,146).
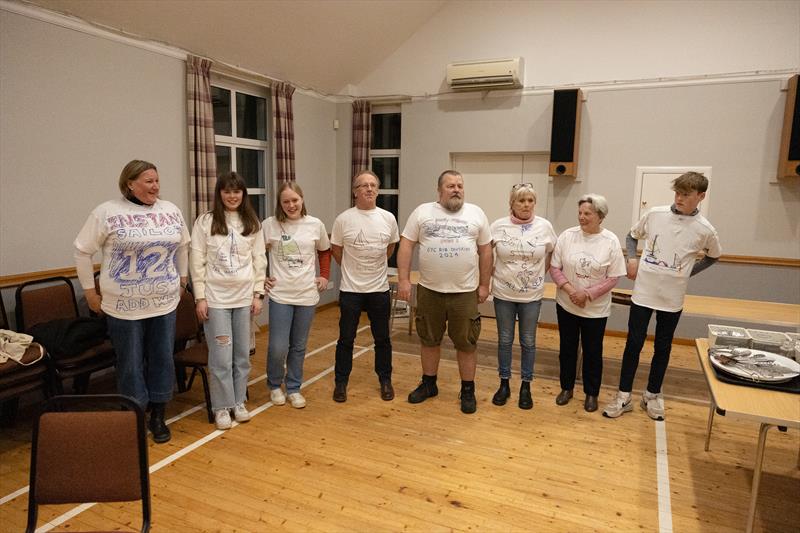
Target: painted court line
(198,443)
(662,465)
(201,406)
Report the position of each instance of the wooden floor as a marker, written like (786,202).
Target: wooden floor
(369,465)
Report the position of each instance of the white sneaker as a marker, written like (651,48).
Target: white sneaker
(241,414)
(277,397)
(653,404)
(297,400)
(621,404)
(222,419)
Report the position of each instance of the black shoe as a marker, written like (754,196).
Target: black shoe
(525,399)
(590,404)
(468,403)
(564,397)
(503,393)
(158,428)
(387,391)
(340,392)
(424,391)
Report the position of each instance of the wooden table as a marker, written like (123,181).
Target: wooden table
(767,407)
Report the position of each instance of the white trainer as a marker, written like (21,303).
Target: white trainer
(222,419)
(277,397)
(297,400)
(241,414)
(621,404)
(653,404)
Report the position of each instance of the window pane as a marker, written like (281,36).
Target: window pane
(258,202)
(388,202)
(223,160)
(388,170)
(221,100)
(386,131)
(250,166)
(251,117)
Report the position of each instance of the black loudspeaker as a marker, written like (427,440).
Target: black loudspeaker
(566,132)
(789,162)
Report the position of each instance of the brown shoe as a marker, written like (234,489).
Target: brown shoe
(387,391)
(590,404)
(340,392)
(563,397)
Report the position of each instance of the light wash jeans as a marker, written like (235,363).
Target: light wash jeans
(145,369)
(288,335)
(228,340)
(507,313)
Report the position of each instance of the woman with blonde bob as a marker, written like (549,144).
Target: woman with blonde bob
(295,241)
(228,264)
(586,264)
(523,243)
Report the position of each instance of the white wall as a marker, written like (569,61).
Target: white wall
(577,42)
(75,110)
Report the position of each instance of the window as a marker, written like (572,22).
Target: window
(384,155)
(241,115)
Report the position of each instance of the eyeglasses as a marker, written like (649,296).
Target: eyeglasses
(522,186)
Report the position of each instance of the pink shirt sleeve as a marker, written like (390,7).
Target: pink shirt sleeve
(557,276)
(599,289)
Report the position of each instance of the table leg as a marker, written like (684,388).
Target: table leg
(711,409)
(762,439)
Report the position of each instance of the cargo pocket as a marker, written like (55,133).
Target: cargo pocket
(422,327)
(474,329)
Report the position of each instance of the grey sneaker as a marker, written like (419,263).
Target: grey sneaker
(653,404)
(621,404)
(241,414)
(222,419)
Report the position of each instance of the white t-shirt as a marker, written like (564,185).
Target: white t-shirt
(364,236)
(519,258)
(586,259)
(673,242)
(448,245)
(227,269)
(293,246)
(139,275)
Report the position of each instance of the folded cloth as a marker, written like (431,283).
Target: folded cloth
(13,346)
(66,337)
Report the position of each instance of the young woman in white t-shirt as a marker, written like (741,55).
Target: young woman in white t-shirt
(586,264)
(296,241)
(228,264)
(522,245)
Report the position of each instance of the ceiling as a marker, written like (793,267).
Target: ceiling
(318,44)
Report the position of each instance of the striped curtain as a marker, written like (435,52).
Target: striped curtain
(284,131)
(361,135)
(200,120)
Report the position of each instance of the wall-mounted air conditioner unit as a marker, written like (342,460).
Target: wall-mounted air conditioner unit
(485,75)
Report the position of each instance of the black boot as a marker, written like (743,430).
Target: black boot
(468,402)
(156,425)
(502,394)
(525,400)
(426,389)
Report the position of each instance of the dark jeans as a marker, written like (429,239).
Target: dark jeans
(590,331)
(377,305)
(638,319)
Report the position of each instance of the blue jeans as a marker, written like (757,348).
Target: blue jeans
(377,306)
(288,335)
(145,368)
(228,340)
(638,320)
(507,313)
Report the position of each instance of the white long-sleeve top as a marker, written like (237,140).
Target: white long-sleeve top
(227,270)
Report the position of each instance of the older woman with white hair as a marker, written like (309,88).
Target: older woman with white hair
(586,264)
(522,245)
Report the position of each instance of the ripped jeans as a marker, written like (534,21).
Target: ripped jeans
(228,339)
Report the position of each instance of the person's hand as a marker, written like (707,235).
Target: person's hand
(632,266)
(404,291)
(483,293)
(579,298)
(94,301)
(269,284)
(255,307)
(322,283)
(201,308)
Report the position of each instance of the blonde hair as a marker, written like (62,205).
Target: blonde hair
(518,190)
(280,214)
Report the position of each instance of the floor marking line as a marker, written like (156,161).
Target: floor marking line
(662,467)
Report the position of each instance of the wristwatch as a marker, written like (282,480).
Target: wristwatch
(260,296)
